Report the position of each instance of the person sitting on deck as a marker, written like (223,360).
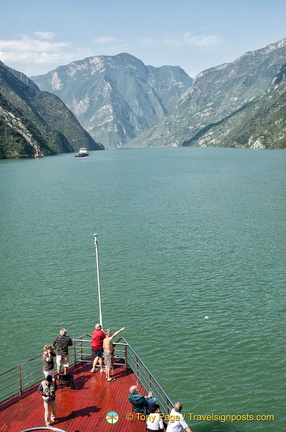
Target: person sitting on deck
(141,404)
(108,353)
(177,422)
(62,343)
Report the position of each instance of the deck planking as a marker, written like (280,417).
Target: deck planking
(82,408)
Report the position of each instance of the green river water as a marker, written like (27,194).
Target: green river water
(192,247)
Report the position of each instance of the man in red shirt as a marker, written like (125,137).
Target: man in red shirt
(97,347)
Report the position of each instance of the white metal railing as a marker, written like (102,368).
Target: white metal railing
(44,428)
(129,358)
(30,372)
(145,378)
(20,377)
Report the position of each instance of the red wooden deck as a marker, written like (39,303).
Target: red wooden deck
(79,409)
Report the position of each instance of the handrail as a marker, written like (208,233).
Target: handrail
(18,377)
(145,378)
(44,428)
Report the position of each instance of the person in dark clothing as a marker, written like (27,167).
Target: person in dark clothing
(154,420)
(47,389)
(48,360)
(141,404)
(62,343)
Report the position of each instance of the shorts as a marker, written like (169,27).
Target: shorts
(97,353)
(63,360)
(108,359)
(50,372)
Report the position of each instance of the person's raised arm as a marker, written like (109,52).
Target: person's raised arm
(117,332)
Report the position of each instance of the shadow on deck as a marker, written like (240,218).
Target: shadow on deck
(82,407)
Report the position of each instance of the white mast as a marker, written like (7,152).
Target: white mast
(98,279)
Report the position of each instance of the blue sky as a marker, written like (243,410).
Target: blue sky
(37,36)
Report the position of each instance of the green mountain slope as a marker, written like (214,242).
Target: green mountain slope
(19,138)
(215,94)
(259,124)
(31,120)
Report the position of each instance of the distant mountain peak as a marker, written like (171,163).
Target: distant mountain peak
(266,50)
(217,93)
(121,101)
(116,97)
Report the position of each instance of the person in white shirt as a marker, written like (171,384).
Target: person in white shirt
(154,420)
(177,422)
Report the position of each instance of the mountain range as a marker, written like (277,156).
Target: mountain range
(259,124)
(36,122)
(122,102)
(116,98)
(218,93)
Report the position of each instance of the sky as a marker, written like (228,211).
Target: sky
(37,36)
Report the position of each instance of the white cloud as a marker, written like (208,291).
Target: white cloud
(45,35)
(189,40)
(32,50)
(34,58)
(27,44)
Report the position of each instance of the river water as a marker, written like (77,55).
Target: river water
(192,246)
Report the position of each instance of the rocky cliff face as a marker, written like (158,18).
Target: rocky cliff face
(116,98)
(215,94)
(259,124)
(22,77)
(34,121)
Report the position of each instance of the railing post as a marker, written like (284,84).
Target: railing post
(20,380)
(126,356)
(137,369)
(74,351)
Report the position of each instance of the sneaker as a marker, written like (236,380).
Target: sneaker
(150,394)
(55,420)
(92,370)
(102,370)
(48,424)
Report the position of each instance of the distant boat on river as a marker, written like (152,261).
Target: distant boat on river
(82,152)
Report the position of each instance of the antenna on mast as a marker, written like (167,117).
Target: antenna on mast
(98,279)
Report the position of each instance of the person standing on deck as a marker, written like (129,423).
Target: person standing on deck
(47,389)
(178,423)
(48,360)
(62,343)
(97,347)
(154,420)
(108,353)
